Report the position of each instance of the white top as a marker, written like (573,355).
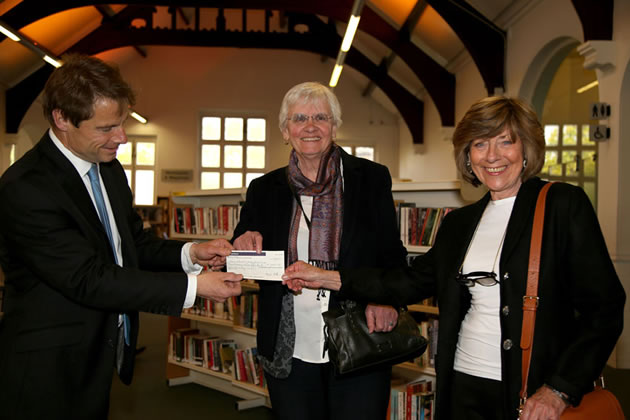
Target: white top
(82,167)
(478,350)
(309,324)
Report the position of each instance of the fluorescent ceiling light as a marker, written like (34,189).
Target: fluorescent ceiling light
(334,78)
(138,117)
(350,31)
(588,86)
(9,34)
(52,61)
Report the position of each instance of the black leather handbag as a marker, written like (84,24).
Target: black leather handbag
(352,348)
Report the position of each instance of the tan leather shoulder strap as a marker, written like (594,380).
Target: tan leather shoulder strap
(530,300)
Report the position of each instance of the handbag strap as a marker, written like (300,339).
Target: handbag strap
(530,300)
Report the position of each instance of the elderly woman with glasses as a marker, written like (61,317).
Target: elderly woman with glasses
(334,211)
(477,269)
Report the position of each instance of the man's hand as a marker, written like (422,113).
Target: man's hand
(249,241)
(544,404)
(301,275)
(218,286)
(211,254)
(380,318)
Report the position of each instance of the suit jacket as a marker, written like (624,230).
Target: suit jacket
(369,234)
(580,312)
(64,291)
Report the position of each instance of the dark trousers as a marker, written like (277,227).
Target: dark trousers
(313,392)
(475,398)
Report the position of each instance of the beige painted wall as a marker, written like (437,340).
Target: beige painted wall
(175,84)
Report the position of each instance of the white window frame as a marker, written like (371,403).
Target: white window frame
(223,114)
(133,167)
(578,148)
(353,145)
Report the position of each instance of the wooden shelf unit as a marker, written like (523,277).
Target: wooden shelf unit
(181,372)
(202,198)
(424,194)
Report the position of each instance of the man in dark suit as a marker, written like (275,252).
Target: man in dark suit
(78,264)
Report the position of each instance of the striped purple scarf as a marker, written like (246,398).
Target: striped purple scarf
(326,220)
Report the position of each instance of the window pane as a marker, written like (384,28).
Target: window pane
(211,128)
(348,149)
(555,170)
(365,152)
(568,158)
(128,174)
(551,135)
(210,180)
(124,153)
(233,157)
(551,158)
(588,162)
(589,189)
(255,157)
(569,135)
(251,176)
(256,129)
(144,187)
(586,140)
(210,156)
(145,153)
(234,129)
(11,154)
(232,180)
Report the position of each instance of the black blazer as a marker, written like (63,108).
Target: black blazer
(63,290)
(369,236)
(580,313)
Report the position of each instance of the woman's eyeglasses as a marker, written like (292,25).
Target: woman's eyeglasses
(303,119)
(483,278)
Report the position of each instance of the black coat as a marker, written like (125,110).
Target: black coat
(580,313)
(369,236)
(64,291)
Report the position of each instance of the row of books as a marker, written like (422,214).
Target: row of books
(206,220)
(419,225)
(412,401)
(189,345)
(248,310)
(243,309)
(211,309)
(429,330)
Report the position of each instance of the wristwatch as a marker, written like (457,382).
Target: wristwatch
(564,397)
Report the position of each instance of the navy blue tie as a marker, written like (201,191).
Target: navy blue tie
(102,212)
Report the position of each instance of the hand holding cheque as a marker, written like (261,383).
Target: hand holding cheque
(213,284)
(252,262)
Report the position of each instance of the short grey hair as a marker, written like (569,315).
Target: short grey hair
(308,93)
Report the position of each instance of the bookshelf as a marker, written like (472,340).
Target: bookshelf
(155,217)
(202,199)
(439,194)
(180,372)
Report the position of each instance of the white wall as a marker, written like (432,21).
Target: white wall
(175,84)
